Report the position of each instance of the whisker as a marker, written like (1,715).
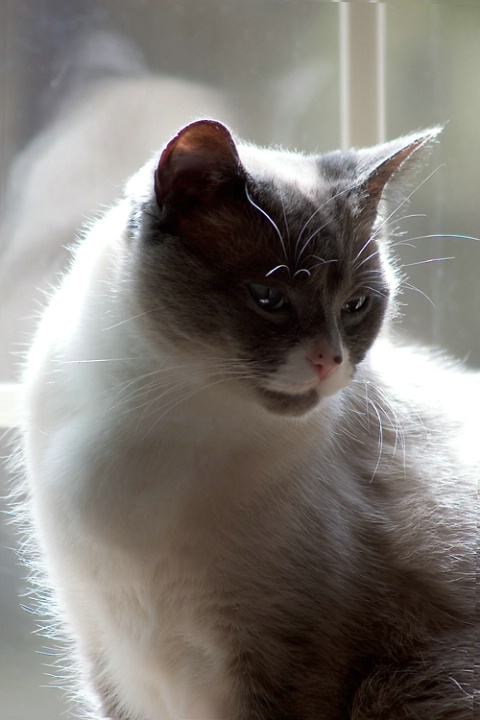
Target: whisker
(396,425)
(278,267)
(385,221)
(272,222)
(102,360)
(371,273)
(405,243)
(145,389)
(372,255)
(430,260)
(309,239)
(133,317)
(142,358)
(330,199)
(184,398)
(322,262)
(375,233)
(411,215)
(302,270)
(176,385)
(230,367)
(405,200)
(171,387)
(375,291)
(380,436)
(285,218)
(444,235)
(409,286)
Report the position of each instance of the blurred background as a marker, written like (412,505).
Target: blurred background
(89,88)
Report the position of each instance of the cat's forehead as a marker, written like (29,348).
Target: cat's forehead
(283,168)
(313,214)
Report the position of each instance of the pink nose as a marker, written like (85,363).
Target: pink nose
(325,360)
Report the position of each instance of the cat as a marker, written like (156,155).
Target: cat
(251,503)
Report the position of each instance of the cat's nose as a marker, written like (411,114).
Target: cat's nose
(325,360)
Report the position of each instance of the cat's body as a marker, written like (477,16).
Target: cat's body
(247,511)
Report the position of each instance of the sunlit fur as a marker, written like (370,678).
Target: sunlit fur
(227,536)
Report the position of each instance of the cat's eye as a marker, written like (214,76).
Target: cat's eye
(355,304)
(268,298)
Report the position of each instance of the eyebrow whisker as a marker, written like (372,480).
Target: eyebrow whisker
(267,216)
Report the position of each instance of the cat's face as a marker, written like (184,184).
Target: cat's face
(266,269)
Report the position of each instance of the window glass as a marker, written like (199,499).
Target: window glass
(432,62)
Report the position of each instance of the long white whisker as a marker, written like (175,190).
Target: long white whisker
(409,286)
(322,262)
(391,215)
(442,235)
(370,239)
(285,218)
(375,291)
(411,215)
(229,366)
(272,222)
(396,426)
(308,240)
(405,243)
(184,398)
(380,436)
(133,317)
(102,360)
(375,233)
(405,200)
(277,267)
(366,259)
(139,393)
(300,271)
(319,209)
(179,383)
(430,260)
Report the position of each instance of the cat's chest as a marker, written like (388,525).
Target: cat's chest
(136,490)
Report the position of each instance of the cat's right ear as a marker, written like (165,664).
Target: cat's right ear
(199,164)
(383,165)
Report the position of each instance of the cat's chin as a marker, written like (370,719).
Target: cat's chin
(294,405)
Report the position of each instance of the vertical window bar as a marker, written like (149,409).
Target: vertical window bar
(362,73)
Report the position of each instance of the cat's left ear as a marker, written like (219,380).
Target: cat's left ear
(383,165)
(196,166)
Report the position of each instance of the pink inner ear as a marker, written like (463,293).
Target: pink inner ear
(198,157)
(384,172)
(395,158)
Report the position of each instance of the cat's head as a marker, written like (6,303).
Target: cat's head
(268,269)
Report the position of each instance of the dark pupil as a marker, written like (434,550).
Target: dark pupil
(267,298)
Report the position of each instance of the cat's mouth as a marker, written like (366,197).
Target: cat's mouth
(299,384)
(283,403)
